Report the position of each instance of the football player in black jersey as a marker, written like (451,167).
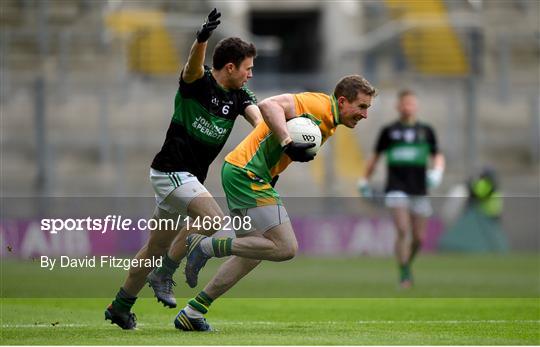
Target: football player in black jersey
(414,164)
(206,105)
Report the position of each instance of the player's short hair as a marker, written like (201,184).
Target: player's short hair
(349,86)
(232,50)
(405,92)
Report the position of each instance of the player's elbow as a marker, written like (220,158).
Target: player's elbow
(266,106)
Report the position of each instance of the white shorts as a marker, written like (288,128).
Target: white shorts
(418,205)
(263,218)
(175,190)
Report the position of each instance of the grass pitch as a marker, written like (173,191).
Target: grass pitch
(283,322)
(457,300)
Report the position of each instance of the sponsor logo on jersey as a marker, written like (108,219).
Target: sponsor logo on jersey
(408,135)
(405,153)
(206,127)
(395,135)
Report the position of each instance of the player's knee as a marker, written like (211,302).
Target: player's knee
(401,235)
(288,252)
(418,242)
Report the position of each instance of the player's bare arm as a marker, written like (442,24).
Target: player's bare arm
(363,182)
(276,111)
(370,165)
(438,162)
(253,115)
(194,67)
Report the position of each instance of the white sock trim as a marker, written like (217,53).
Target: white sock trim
(207,248)
(192,313)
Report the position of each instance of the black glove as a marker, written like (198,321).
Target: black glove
(298,151)
(274,181)
(208,26)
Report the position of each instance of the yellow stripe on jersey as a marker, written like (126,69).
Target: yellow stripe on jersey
(247,149)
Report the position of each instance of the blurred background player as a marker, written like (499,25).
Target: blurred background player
(246,177)
(206,106)
(484,193)
(477,226)
(409,145)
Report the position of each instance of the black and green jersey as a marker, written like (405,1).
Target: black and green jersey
(408,148)
(204,115)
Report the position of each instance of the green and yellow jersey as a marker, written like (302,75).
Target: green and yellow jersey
(250,167)
(261,153)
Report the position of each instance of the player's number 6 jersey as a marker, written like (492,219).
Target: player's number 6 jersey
(204,115)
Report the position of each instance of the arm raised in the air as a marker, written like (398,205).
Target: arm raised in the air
(194,68)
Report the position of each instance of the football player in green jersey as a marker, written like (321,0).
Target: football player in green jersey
(206,106)
(410,147)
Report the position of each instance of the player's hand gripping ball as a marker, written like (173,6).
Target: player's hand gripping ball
(304,130)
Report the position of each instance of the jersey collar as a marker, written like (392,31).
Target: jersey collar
(217,83)
(335,109)
(408,124)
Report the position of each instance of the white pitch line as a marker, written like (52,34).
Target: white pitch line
(487,321)
(225,323)
(43,325)
(59,325)
(480,321)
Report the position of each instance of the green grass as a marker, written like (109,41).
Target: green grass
(436,276)
(457,300)
(283,322)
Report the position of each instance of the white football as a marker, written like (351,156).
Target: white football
(304,130)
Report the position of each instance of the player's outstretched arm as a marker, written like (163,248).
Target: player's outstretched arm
(194,68)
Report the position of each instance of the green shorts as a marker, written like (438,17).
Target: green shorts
(244,189)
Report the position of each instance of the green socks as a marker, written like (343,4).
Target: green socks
(168,266)
(404,272)
(222,247)
(123,301)
(201,302)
